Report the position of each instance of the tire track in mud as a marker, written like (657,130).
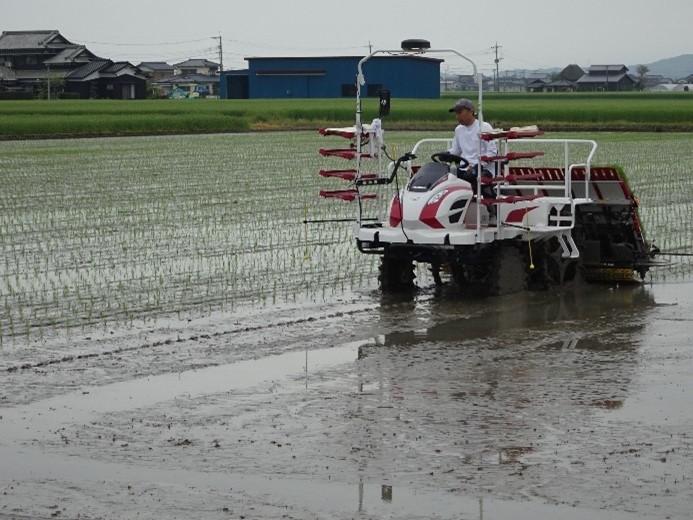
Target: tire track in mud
(187,346)
(194,337)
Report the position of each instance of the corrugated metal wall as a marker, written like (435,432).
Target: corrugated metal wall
(331,77)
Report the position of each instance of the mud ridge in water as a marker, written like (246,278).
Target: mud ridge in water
(194,337)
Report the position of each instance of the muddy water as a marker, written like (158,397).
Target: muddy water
(575,403)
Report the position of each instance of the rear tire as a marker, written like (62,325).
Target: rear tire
(559,269)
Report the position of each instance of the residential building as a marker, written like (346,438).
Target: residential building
(607,78)
(189,84)
(565,80)
(30,58)
(156,70)
(190,78)
(196,66)
(106,79)
(571,73)
(511,83)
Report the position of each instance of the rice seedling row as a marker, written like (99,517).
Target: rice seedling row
(98,234)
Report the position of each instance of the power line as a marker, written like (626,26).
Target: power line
(117,44)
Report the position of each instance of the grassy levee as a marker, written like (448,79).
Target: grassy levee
(626,111)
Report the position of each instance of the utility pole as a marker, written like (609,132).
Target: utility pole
(221,54)
(495,48)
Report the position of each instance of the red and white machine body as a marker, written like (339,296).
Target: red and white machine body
(547,222)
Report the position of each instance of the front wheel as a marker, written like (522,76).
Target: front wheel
(396,274)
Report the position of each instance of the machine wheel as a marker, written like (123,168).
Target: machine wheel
(396,274)
(459,275)
(508,271)
(558,269)
(504,272)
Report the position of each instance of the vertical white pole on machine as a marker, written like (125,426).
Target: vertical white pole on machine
(480,117)
(360,81)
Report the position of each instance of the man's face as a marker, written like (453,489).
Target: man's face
(464,116)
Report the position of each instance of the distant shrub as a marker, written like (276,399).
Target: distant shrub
(8,95)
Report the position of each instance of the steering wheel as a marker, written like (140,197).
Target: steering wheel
(448,157)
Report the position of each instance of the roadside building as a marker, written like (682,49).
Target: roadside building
(189,85)
(196,66)
(404,76)
(156,70)
(565,80)
(30,60)
(190,78)
(511,83)
(106,79)
(603,78)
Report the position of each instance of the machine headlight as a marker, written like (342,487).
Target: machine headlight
(436,198)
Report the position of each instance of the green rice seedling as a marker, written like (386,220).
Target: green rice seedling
(98,234)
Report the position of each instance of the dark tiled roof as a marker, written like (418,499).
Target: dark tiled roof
(72,54)
(115,67)
(560,83)
(196,63)
(102,67)
(155,65)
(88,68)
(599,69)
(602,78)
(572,72)
(11,40)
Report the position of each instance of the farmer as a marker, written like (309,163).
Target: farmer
(466,142)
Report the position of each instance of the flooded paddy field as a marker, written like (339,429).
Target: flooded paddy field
(176,343)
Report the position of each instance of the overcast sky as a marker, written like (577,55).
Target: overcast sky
(530,34)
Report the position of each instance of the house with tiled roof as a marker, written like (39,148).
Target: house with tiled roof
(31,58)
(191,78)
(196,66)
(565,80)
(106,79)
(571,73)
(192,84)
(156,70)
(607,78)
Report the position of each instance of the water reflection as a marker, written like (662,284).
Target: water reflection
(496,382)
(580,308)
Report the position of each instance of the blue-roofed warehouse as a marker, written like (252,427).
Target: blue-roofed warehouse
(404,76)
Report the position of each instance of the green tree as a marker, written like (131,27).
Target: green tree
(642,71)
(54,81)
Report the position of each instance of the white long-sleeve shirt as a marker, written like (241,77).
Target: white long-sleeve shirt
(466,144)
